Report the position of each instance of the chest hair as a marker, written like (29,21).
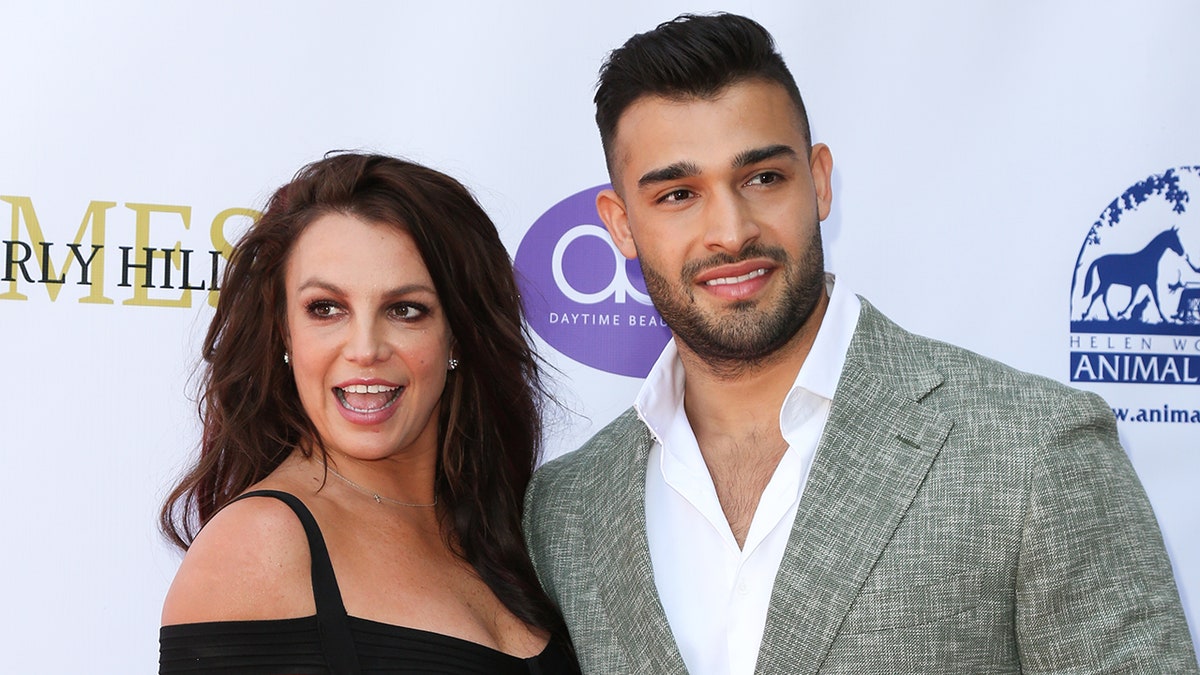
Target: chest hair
(740,470)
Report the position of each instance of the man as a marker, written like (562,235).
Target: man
(802,486)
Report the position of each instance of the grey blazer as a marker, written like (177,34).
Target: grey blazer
(959,517)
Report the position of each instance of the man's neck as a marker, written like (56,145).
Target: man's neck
(735,419)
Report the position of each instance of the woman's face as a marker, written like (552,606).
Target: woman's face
(368,340)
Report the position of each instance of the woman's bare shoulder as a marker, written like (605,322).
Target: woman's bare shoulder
(250,562)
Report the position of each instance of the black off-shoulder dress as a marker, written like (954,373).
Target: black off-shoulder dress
(332,642)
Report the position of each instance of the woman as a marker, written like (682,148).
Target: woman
(371,419)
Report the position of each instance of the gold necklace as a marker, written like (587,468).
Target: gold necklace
(379,499)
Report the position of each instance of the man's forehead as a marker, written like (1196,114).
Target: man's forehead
(644,109)
(648,110)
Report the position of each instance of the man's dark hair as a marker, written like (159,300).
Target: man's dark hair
(691,56)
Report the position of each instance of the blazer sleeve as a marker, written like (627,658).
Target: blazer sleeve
(536,536)
(1094,589)
(553,534)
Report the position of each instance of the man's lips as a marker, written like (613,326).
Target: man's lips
(736,273)
(725,281)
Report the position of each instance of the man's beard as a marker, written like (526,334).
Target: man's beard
(748,334)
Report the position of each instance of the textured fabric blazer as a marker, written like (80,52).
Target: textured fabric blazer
(959,517)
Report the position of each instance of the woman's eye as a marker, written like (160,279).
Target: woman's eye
(322,309)
(408,311)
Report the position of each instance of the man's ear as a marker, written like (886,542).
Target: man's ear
(821,165)
(612,211)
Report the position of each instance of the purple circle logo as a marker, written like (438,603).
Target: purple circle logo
(582,296)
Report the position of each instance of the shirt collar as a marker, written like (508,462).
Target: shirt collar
(823,366)
(661,396)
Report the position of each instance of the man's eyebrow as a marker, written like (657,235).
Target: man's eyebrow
(674,171)
(756,155)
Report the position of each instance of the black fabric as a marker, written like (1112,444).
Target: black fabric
(333,643)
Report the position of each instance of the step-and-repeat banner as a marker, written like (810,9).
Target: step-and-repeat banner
(1022,179)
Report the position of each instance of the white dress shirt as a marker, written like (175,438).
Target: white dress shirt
(716,594)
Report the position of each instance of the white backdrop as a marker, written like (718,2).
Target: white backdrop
(975,144)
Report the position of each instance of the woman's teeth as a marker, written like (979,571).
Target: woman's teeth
(367,398)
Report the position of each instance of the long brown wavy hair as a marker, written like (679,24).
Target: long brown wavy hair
(489,427)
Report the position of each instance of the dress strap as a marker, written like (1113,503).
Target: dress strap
(337,642)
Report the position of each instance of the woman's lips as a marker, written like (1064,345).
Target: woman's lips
(367,399)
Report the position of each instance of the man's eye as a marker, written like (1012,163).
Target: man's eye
(764,178)
(677,195)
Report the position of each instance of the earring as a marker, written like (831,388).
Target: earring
(286,358)
(452,364)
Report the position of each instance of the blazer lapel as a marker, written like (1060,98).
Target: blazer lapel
(877,447)
(624,573)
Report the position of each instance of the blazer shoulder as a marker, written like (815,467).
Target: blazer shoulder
(611,444)
(994,405)
(902,358)
(603,468)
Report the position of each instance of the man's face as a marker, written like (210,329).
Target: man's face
(720,204)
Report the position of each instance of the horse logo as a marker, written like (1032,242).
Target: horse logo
(1155,289)
(1132,270)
